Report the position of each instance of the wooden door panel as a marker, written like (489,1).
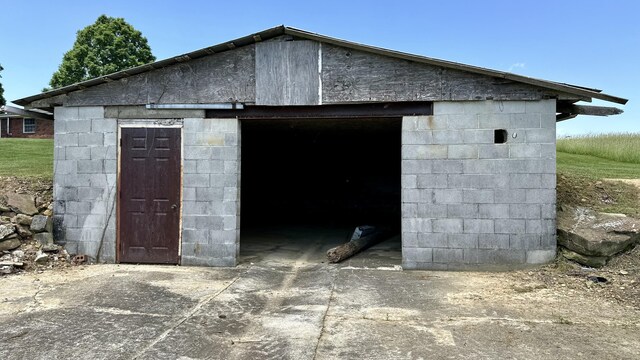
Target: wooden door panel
(149,199)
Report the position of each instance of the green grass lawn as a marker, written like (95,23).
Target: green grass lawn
(596,167)
(26,157)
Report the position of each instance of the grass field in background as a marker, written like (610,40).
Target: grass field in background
(26,157)
(623,147)
(606,156)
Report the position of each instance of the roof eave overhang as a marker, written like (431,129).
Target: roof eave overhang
(14,112)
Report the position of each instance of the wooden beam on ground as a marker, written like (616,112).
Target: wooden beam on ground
(565,108)
(347,250)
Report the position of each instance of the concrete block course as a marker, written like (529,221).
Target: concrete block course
(462,151)
(78,126)
(447,166)
(497,203)
(416,167)
(445,137)
(432,181)
(210,192)
(478,226)
(493,151)
(432,211)
(90,139)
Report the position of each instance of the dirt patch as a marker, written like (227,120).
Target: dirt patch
(634,182)
(40,188)
(599,195)
(617,281)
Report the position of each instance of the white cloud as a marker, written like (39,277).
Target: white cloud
(518,65)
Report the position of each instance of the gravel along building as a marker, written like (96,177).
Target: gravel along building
(176,161)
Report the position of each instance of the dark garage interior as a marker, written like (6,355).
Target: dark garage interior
(315,180)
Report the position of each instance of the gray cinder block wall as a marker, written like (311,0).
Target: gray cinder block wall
(211,199)
(468,203)
(85,145)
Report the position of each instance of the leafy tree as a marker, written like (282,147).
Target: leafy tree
(3,102)
(107,46)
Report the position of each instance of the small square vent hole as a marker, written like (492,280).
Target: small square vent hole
(500,136)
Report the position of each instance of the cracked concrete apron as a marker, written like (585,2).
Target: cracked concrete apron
(301,309)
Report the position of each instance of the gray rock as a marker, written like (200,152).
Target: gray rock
(4,208)
(12,236)
(41,223)
(9,244)
(6,269)
(40,203)
(49,247)
(6,230)
(41,257)
(23,219)
(17,255)
(23,232)
(43,238)
(591,261)
(22,203)
(590,233)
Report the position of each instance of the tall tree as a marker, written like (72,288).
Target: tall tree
(3,102)
(107,46)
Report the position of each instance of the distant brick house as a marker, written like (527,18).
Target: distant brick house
(22,124)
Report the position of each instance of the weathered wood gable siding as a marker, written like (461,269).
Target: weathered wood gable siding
(225,77)
(287,73)
(356,76)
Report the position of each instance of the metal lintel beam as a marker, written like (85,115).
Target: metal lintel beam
(326,111)
(217,106)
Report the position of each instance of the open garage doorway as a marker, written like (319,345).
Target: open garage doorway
(307,183)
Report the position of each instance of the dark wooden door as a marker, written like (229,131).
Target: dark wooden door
(149,202)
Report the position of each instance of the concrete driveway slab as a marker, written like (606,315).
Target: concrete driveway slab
(296,307)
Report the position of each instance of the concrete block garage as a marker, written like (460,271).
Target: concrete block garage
(186,160)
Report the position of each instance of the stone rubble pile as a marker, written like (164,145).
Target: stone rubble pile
(26,238)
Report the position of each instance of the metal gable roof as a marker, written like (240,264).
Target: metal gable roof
(284,30)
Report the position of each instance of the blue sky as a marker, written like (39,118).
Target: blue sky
(588,43)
